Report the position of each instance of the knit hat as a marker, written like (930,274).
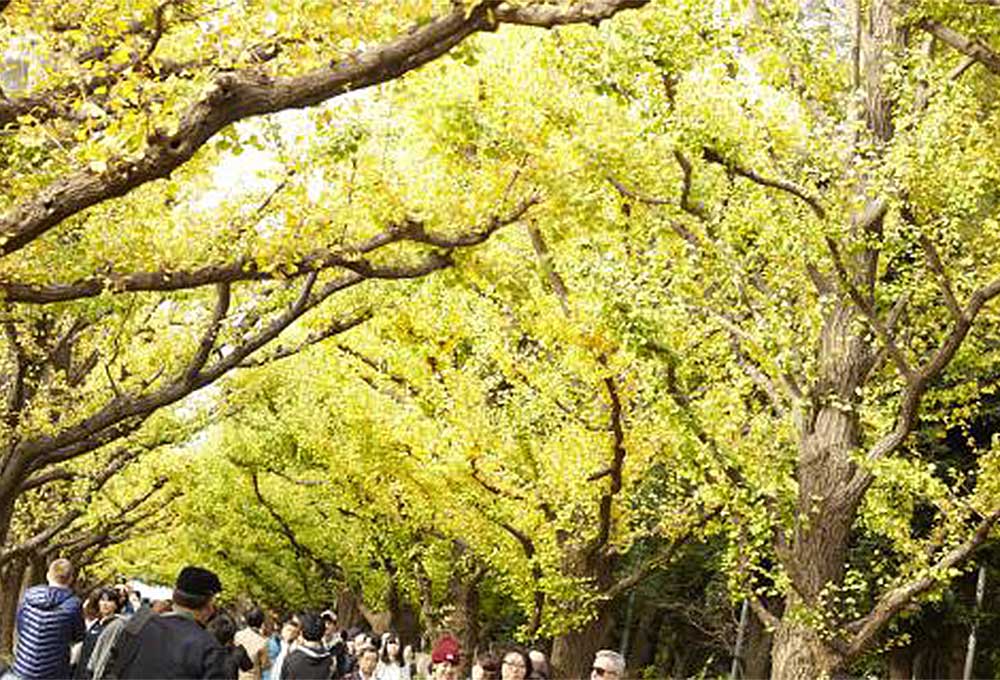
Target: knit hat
(447,650)
(198,582)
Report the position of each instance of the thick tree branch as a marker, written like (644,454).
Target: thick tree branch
(604,515)
(910,402)
(238,95)
(970,47)
(248,269)
(125,414)
(211,334)
(864,305)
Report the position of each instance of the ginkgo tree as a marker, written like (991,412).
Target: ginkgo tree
(830,172)
(124,291)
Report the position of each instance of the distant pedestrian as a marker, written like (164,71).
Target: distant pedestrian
(49,620)
(310,660)
(486,667)
(290,632)
(237,660)
(446,658)
(516,664)
(539,665)
(253,640)
(391,665)
(367,656)
(608,665)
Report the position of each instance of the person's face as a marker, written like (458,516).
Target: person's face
(107,607)
(603,669)
(368,662)
(513,667)
(290,631)
(331,627)
(392,647)
(445,671)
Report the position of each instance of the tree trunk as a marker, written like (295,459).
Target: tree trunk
(901,663)
(11,577)
(348,612)
(799,653)
(573,652)
(826,509)
(463,621)
(757,650)
(647,638)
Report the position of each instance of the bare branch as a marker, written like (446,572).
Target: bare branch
(211,334)
(659,560)
(944,281)
(866,308)
(907,415)
(678,228)
(335,328)
(698,210)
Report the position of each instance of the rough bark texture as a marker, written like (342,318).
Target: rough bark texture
(573,652)
(11,577)
(825,510)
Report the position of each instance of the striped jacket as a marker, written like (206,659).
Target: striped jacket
(49,620)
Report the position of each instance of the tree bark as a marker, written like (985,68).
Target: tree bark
(757,650)
(825,509)
(11,578)
(647,637)
(901,663)
(573,652)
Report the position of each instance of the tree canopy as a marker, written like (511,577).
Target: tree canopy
(717,275)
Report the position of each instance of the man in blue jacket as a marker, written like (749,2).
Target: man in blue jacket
(49,620)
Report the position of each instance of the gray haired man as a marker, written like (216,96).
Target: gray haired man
(608,665)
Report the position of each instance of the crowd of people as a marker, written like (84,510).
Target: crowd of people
(106,637)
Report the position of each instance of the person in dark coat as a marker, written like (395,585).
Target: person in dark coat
(49,620)
(237,659)
(175,644)
(311,660)
(108,606)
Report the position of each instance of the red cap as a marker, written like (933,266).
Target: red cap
(446,649)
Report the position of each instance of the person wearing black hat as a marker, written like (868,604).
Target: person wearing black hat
(175,644)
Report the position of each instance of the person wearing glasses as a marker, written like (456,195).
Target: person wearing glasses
(608,665)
